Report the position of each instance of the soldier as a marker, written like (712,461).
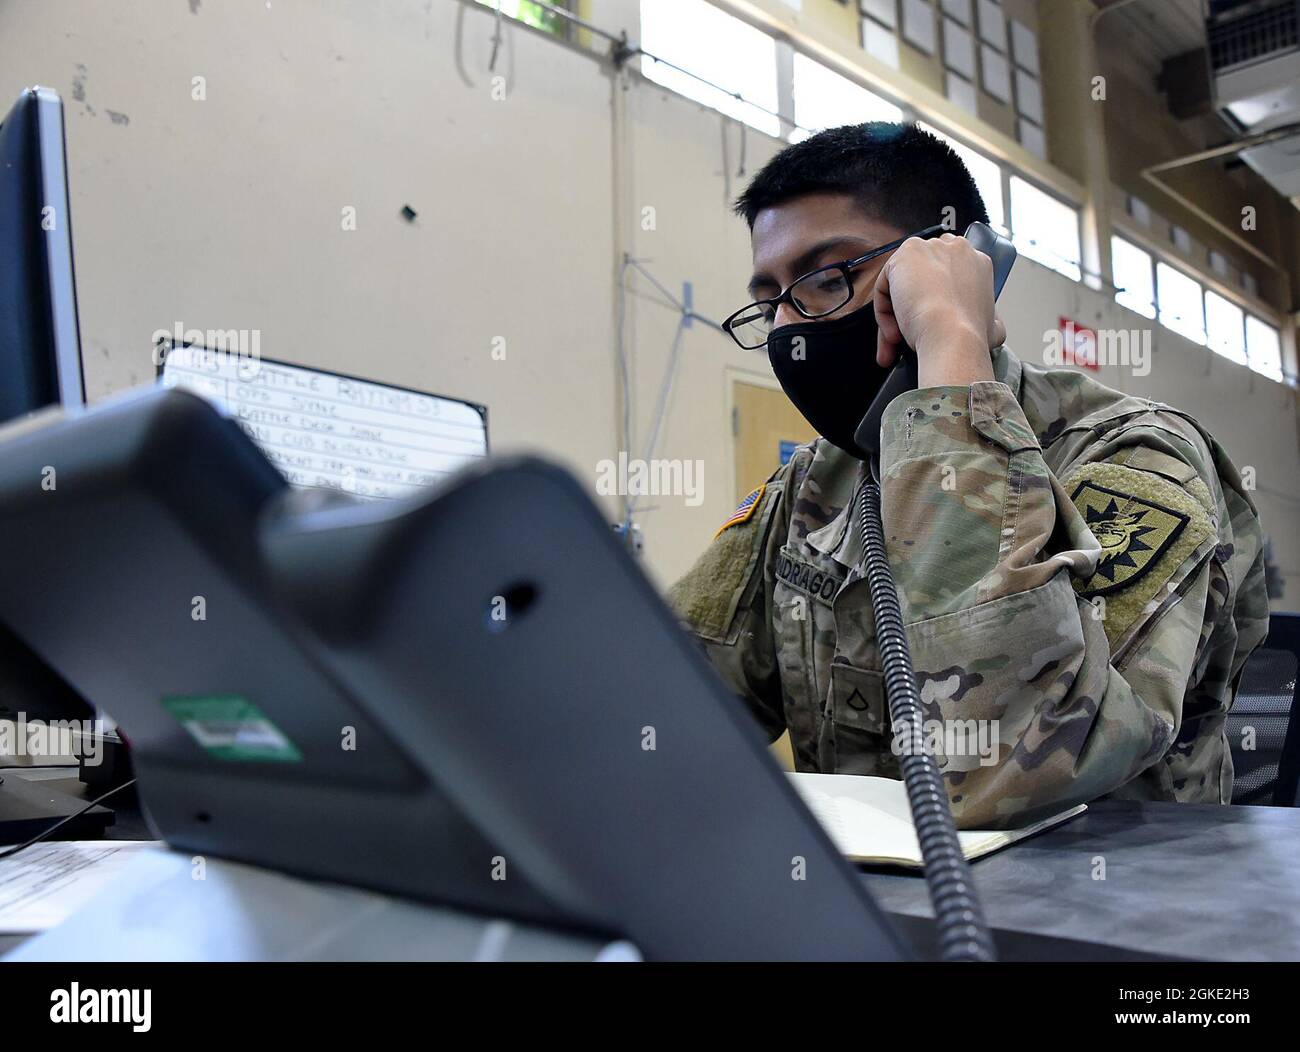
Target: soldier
(1080,570)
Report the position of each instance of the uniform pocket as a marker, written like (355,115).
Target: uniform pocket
(860,724)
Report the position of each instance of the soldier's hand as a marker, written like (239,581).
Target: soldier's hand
(936,297)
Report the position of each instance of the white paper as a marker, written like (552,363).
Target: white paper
(869,819)
(44,884)
(320,429)
(166,905)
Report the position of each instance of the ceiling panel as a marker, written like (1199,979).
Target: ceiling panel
(1150,31)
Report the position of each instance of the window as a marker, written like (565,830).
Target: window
(960,91)
(1263,348)
(918,25)
(882,11)
(1139,210)
(1024,46)
(1135,286)
(1045,229)
(1181,303)
(958,9)
(993,30)
(690,34)
(958,49)
(880,42)
(825,99)
(995,73)
(985,172)
(531,14)
(1224,327)
(1029,97)
(1031,137)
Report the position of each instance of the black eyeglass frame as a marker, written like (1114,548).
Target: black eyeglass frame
(845,268)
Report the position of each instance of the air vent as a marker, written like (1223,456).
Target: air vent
(1258,32)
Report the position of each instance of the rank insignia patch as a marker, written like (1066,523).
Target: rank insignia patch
(746,510)
(1133,534)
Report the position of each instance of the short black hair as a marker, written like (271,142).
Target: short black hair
(898,173)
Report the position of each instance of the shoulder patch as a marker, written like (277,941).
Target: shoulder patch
(711,593)
(1147,526)
(745,511)
(1133,533)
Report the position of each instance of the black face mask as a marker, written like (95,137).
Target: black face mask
(831,376)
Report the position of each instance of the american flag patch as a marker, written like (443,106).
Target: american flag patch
(746,510)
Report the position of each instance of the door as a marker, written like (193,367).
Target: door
(767,428)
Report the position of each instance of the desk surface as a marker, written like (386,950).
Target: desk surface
(1182,880)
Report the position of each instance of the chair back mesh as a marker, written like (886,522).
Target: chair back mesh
(1260,727)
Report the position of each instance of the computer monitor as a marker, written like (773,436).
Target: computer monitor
(40,351)
(40,366)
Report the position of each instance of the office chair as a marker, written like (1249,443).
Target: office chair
(1269,703)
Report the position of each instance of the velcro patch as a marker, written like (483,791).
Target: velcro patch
(1148,528)
(1133,533)
(745,511)
(709,596)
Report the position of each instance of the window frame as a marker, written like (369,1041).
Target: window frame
(1151,276)
(1076,273)
(801,128)
(1128,231)
(709,90)
(1281,375)
(1169,265)
(1209,339)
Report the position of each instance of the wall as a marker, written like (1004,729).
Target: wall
(226,214)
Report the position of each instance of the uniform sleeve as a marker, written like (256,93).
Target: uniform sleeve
(724,601)
(1059,618)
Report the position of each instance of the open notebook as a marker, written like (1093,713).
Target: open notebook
(870,821)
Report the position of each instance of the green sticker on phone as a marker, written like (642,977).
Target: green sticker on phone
(230,727)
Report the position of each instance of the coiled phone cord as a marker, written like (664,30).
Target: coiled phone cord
(959,918)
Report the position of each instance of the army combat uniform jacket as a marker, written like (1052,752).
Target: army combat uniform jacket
(1081,575)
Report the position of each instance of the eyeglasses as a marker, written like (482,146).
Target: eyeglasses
(815,295)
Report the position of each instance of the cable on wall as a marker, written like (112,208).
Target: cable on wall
(687,315)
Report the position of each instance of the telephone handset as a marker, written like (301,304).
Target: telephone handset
(903,377)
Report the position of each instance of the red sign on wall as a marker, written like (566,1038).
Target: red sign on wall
(1078,345)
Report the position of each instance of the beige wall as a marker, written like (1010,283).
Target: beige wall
(226,214)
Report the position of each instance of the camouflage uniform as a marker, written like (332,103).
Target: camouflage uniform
(1081,566)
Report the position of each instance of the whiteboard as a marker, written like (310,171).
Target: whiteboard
(338,432)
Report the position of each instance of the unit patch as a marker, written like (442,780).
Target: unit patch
(1148,528)
(1133,533)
